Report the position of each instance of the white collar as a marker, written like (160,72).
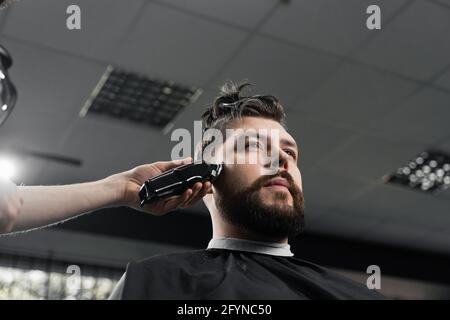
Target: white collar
(270,248)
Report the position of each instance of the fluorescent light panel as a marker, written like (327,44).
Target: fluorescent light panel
(133,97)
(428,172)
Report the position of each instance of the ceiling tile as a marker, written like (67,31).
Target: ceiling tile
(370,157)
(327,190)
(446,194)
(177,45)
(356,95)
(246,14)
(394,204)
(49,82)
(445,146)
(335,26)
(404,46)
(444,2)
(112,145)
(103,24)
(444,80)
(422,117)
(278,69)
(3,14)
(33,129)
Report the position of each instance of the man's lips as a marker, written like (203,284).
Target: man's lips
(278,182)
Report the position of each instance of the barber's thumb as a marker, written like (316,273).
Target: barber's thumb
(166,165)
(186,160)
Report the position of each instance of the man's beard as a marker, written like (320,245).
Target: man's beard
(246,209)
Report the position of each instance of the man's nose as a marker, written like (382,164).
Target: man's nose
(283,162)
(278,161)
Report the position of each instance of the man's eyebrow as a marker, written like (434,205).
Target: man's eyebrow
(289,143)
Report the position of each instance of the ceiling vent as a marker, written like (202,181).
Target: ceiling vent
(137,98)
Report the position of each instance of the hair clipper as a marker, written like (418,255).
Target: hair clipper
(175,181)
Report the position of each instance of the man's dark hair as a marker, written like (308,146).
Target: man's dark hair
(232,105)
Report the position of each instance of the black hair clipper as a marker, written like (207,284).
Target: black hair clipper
(175,181)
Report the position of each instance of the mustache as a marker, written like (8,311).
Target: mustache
(263,180)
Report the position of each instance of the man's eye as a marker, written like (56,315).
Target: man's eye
(291,153)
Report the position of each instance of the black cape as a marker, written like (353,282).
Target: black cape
(229,274)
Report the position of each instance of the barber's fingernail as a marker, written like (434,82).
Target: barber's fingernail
(179,161)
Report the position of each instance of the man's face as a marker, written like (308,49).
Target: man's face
(270,205)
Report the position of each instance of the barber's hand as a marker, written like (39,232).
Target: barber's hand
(136,177)
(10,205)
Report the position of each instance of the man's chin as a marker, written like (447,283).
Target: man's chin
(277,198)
(279,206)
(264,211)
(277,220)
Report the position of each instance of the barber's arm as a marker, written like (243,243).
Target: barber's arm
(44,205)
(10,205)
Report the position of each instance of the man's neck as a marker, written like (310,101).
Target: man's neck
(239,233)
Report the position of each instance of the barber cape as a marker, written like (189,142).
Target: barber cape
(235,269)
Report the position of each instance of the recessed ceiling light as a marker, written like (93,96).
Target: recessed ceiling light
(7,168)
(134,97)
(428,172)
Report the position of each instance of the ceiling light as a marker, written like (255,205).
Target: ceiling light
(428,172)
(134,97)
(7,169)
